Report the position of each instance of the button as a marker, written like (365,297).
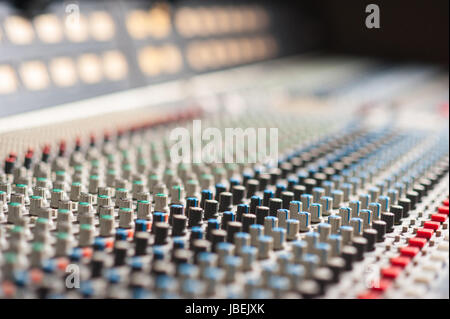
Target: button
(424,233)
(439,218)
(409,251)
(390,272)
(382,285)
(443,210)
(179,223)
(431,225)
(417,242)
(401,261)
(369,295)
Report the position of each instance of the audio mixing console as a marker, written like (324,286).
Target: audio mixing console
(312,176)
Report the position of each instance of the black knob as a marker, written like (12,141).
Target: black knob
(323,276)
(98,260)
(274,205)
(120,252)
(206,194)
(161,232)
(287,197)
(238,194)
(220,188)
(380,227)
(252,187)
(211,208)
(175,210)
(247,221)
(420,190)
(225,200)
(181,256)
(274,176)
(218,236)
(261,213)
(309,184)
(299,190)
(195,216)
(179,225)
(233,228)
(227,217)
(397,210)
(337,266)
(371,236)
(213,224)
(413,197)
(140,243)
(263,182)
(360,243)
(406,204)
(268,194)
(241,210)
(389,219)
(349,254)
(200,245)
(255,201)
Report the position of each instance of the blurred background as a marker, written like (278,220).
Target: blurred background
(53,52)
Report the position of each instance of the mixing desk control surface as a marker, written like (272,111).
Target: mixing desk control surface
(343,196)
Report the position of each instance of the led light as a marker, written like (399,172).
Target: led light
(89,68)
(48,28)
(138,24)
(34,75)
(115,65)
(160,25)
(19,30)
(76,29)
(62,71)
(8,79)
(150,61)
(101,26)
(172,61)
